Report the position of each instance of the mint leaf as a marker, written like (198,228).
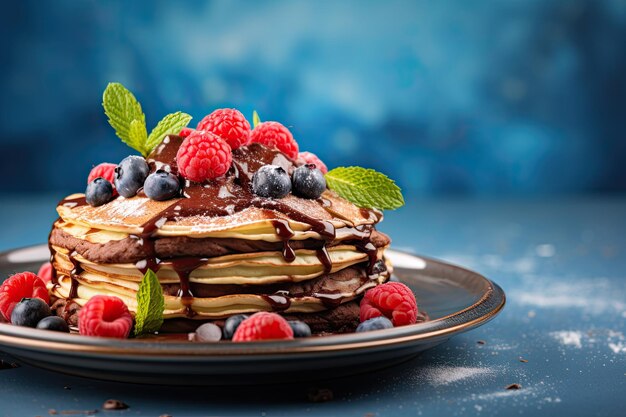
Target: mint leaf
(137,136)
(365,187)
(169,125)
(255,119)
(150,305)
(121,107)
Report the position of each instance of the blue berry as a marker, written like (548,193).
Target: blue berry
(130,175)
(208,332)
(300,328)
(308,181)
(271,181)
(231,324)
(98,192)
(54,323)
(377,323)
(29,312)
(161,185)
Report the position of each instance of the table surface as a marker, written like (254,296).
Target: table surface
(561,335)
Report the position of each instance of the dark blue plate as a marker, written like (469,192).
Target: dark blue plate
(455,298)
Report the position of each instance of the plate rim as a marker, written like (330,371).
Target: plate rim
(493,299)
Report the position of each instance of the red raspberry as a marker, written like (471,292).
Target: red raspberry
(311,158)
(18,286)
(393,300)
(263,326)
(203,156)
(275,135)
(186,131)
(228,124)
(105,316)
(45,272)
(104,170)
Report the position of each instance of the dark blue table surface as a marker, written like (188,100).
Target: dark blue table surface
(561,262)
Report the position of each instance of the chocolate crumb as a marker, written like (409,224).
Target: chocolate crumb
(369,415)
(52,412)
(165,415)
(114,405)
(320,395)
(523,360)
(481,342)
(513,386)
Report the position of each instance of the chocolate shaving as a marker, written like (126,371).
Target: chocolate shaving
(481,342)
(513,386)
(320,395)
(114,405)
(523,360)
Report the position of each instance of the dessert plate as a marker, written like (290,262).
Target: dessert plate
(455,298)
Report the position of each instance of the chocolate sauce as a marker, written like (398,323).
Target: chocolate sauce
(279,301)
(75,272)
(324,258)
(330,299)
(283,230)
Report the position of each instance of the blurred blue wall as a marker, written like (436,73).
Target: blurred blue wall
(447,97)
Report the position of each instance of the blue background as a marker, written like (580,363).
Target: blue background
(515,98)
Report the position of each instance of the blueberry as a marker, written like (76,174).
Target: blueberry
(300,328)
(271,181)
(231,324)
(130,175)
(54,323)
(29,312)
(208,332)
(308,181)
(161,185)
(98,192)
(377,323)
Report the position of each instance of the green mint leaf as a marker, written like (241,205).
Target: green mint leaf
(150,305)
(121,107)
(255,119)
(137,136)
(169,125)
(365,187)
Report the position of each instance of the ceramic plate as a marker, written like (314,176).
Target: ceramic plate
(455,298)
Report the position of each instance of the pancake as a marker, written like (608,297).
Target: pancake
(218,249)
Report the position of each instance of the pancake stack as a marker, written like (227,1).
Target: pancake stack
(219,250)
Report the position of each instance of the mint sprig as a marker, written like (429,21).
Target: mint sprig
(127,118)
(150,305)
(256,120)
(365,187)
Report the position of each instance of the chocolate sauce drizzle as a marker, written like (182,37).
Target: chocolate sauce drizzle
(228,195)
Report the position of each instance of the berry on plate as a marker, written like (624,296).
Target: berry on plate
(45,272)
(54,323)
(311,158)
(130,175)
(208,332)
(300,328)
(393,300)
(377,323)
(263,326)
(308,181)
(271,181)
(275,135)
(18,286)
(161,185)
(30,311)
(228,124)
(105,316)
(231,324)
(203,156)
(105,170)
(98,192)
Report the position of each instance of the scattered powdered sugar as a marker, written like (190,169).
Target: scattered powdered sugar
(568,338)
(444,375)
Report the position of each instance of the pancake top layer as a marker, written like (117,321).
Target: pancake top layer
(223,207)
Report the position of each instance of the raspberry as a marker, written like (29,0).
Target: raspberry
(263,326)
(228,124)
(18,286)
(203,156)
(311,158)
(45,272)
(104,170)
(392,300)
(186,131)
(275,135)
(105,316)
